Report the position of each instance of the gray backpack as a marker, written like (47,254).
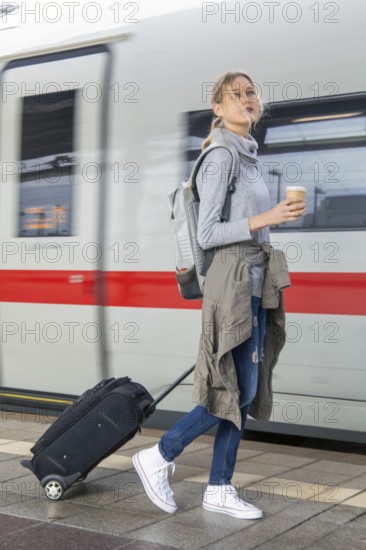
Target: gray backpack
(192,261)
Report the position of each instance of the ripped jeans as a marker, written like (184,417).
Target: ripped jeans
(199,420)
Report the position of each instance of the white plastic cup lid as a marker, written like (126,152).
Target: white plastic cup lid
(295,188)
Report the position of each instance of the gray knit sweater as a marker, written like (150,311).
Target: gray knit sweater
(251,198)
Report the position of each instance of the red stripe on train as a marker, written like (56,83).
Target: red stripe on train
(338,293)
(33,286)
(329,293)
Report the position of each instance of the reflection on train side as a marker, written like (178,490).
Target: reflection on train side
(339,211)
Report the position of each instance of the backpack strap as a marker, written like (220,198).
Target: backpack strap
(233,176)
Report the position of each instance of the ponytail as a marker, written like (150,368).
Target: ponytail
(216,123)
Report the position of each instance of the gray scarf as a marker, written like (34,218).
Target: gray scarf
(247,147)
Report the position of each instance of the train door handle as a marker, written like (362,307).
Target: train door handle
(76,278)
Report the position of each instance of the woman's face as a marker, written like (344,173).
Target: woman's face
(239,105)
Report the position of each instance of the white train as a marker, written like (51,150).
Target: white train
(99,121)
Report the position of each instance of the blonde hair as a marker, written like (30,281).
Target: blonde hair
(218,96)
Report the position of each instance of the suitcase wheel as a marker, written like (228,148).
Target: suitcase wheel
(54,489)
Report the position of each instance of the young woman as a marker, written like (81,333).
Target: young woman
(235,293)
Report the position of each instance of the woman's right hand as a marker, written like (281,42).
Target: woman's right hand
(284,211)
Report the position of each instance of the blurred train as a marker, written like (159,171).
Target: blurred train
(99,121)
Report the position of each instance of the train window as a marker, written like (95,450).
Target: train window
(321,145)
(326,154)
(47,165)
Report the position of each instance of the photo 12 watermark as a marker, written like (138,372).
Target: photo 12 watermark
(270,12)
(70,12)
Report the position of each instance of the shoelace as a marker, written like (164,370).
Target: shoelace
(232,496)
(163,478)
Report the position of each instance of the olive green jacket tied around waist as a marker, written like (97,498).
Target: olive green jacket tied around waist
(227,322)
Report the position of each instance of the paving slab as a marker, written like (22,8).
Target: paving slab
(361,519)
(357,500)
(203,458)
(48,535)
(12,524)
(300,537)
(7,456)
(352,536)
(330,466)
(107,520)
(190,530)
(257,533)
(11,469)
(341,514)
(315,476)
(357,482)
(291,461)
(260,468)
(39,509)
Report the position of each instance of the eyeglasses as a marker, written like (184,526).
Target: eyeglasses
(250,94)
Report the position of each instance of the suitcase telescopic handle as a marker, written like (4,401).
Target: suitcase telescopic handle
(169,389)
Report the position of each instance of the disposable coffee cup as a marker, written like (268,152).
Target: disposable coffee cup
(295,192)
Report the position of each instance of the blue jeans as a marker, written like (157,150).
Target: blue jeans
(199,420)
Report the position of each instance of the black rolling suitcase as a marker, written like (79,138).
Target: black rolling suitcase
(97,424)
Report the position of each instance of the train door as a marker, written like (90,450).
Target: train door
(51,151)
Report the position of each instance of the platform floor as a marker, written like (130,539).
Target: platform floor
(309,497)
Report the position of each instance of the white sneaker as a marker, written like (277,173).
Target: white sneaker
(153,471)
(224,499)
